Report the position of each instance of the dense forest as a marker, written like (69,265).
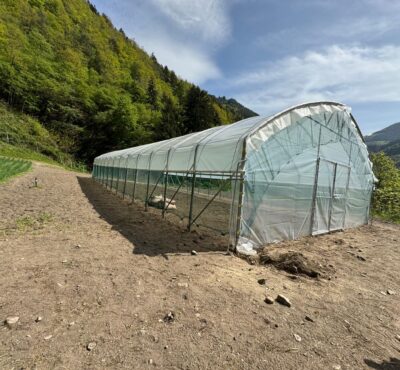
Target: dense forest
(90,86)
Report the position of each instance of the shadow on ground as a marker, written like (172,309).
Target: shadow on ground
(392,364)
(149,233)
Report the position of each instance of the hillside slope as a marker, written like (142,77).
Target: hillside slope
(386,140)
(87,82)
(24,137)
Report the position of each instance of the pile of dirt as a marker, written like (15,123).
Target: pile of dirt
(293,262)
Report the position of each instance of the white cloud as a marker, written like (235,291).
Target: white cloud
(188,62)
(352,74)
(183,34)
(207,19)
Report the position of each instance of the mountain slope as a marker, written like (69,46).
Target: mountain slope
(90,85)
(386,140)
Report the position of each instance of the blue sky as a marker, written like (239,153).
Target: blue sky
(271,54)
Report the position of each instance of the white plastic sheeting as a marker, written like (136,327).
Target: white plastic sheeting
(306,170)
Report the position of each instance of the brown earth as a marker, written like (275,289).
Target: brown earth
(133,288)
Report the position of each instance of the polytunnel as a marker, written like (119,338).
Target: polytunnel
(304,171)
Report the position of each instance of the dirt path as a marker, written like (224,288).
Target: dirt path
(132,268)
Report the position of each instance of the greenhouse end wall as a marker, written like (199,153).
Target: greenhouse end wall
(301,172)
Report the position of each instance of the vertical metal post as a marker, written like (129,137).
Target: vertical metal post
(345,197)
(148,184)
(192,188)
(108,174)
(191,200)
(126,176)
(314,198)
(112,175)
(118,175)
(136,172)
(166,185)
(241,190)
(332,197)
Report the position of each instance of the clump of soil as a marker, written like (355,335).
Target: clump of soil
(293,262)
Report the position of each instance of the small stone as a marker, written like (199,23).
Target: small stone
(150,361)
(11,321)
(261,281)
(382,292)
(165,347)
(39,319)
(71,324)
(398,337)
(48,337)
(183,285)
(297,337)
(169,317)
(308,318)
(269,300)
(336,367)
(361,258)
(78,246)
(193,253)
(281,299)
(65,261)
(390,292)
(91,346)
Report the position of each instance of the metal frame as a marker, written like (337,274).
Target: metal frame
(192,221)
(239,174)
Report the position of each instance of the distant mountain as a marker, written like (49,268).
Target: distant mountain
(386,140)
(237,109)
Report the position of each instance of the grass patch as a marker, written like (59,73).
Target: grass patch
(12,151)
(12,167)
(27,223)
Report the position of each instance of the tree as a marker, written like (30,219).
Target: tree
(170,124)
(152,94)
(385,170)
(386,198)
(199,113)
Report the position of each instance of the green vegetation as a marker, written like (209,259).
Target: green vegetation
(12,167)
(24,137)
(27,223)
(92,89)
(386,198)
(386,140)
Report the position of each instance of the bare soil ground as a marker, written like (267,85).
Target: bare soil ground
(132,268)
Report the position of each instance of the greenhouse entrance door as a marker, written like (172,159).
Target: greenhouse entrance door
(330,197)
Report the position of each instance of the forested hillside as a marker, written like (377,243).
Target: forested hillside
(386,140)
(91,86)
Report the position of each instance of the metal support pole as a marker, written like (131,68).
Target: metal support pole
(241,190)
(108,175)
(165,185)
(192,188)
(346,194)
(314,198)
(239,212)
(126,177)
(211,200)
(191,201)
(165,193)
(112,175)
(146,203)
(332,196)
(177,190)
(119,175)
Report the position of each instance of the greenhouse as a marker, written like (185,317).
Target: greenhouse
(304,171)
